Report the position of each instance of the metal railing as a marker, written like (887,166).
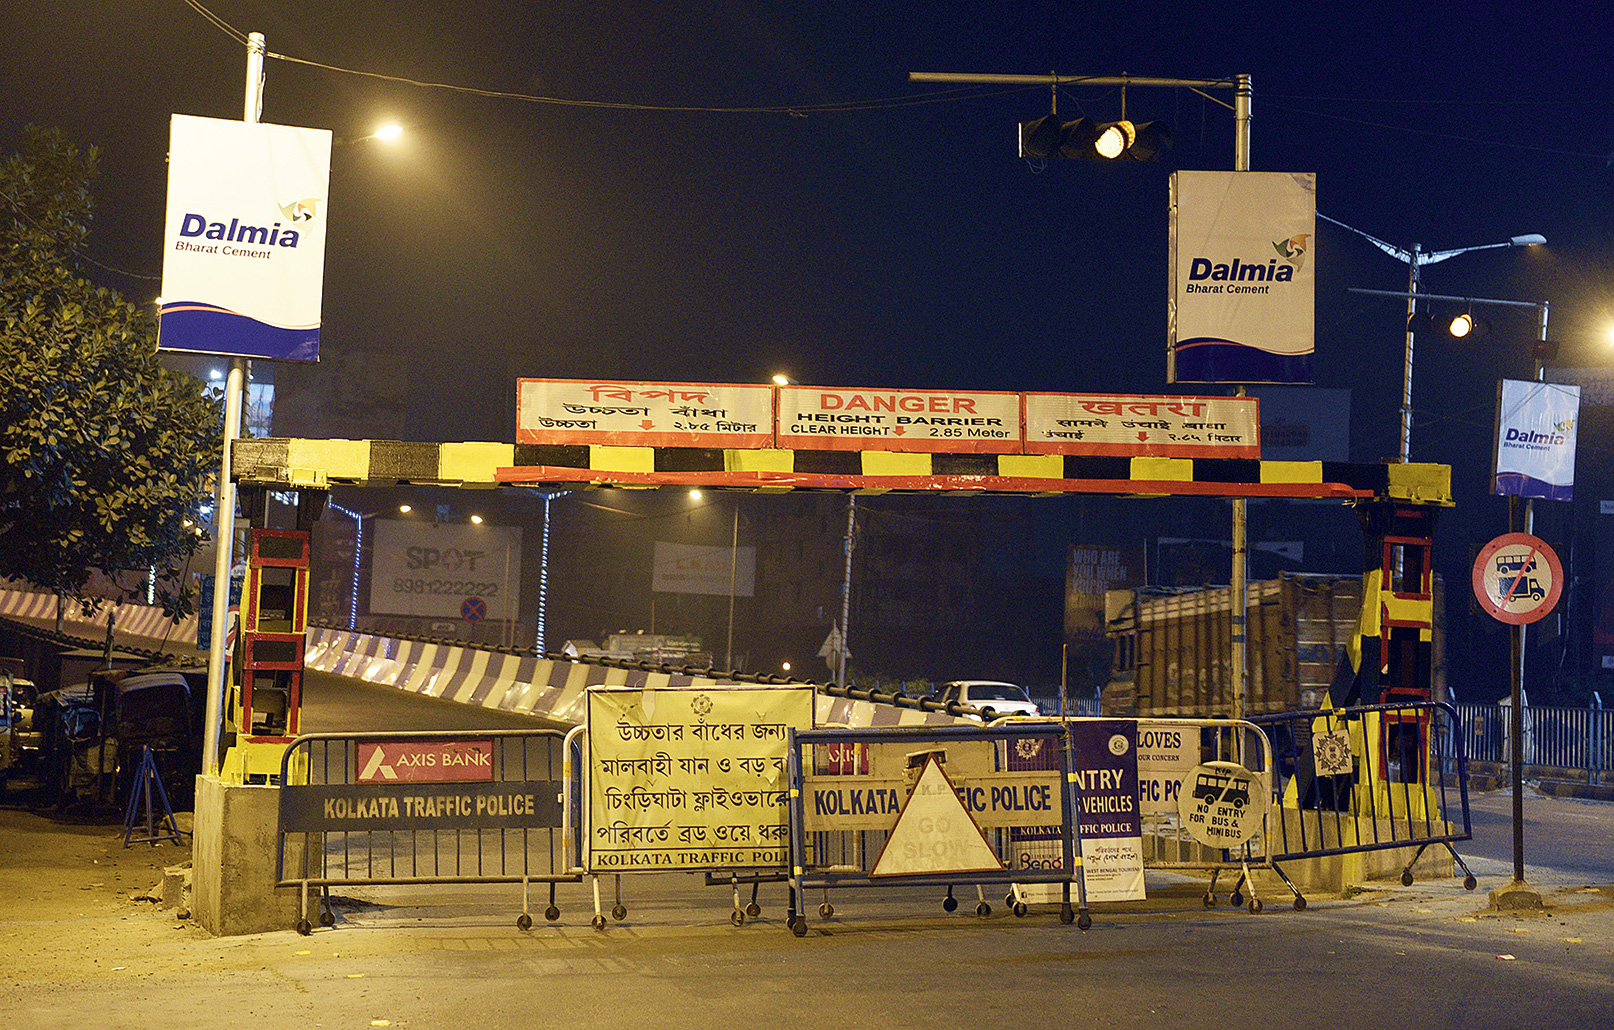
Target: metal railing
(1578,741)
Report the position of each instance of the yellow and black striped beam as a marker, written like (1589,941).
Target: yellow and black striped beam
(325,463)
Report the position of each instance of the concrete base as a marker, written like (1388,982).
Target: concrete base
(1516,895)
(233,861)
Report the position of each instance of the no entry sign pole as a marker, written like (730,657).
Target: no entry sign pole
(1518,579)
(1516,710)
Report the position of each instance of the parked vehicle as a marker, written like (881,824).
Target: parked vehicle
(19,740)
(1172,647)
(94,733)
(994,698)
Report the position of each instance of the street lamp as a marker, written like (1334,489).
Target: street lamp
(1415,259)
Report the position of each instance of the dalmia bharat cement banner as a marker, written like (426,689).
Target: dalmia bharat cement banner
(1242,277)
(1535,439)
(244,239)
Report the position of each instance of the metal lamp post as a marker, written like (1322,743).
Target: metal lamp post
(1522,895)
(1415,259)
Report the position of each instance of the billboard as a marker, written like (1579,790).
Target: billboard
(244,239)
(693,569)
(1090,572)
(1535,439)
(445,571)
(1242,279)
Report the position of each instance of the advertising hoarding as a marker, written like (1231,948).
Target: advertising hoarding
(446,571)
(1535,439)
(244,239)
(1242,277)
(693,569)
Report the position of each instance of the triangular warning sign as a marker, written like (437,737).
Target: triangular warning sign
(935,833)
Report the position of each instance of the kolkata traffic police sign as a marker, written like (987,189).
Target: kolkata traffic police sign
(1517,578)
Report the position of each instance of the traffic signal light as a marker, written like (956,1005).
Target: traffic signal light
(1086,140)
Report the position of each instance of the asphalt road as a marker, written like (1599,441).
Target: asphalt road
(332,704)
(1565,839)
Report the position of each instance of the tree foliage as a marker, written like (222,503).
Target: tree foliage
(105,452)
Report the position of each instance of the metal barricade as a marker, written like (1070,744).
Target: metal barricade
(1167,750)
(932,806)
(424,808)
(1369,778)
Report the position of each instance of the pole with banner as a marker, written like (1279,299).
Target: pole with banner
(1517,577)
(224,492)
(243,271)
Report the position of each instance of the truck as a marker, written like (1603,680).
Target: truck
(1172,646)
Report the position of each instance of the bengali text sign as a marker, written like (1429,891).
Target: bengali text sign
(690,778)
(624,414)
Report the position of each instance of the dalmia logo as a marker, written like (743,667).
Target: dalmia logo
(1293,250)
(299,210)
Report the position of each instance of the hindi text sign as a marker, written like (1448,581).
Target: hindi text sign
(1131,425)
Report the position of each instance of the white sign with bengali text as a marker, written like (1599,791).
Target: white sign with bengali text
(1132,425)
(637,414)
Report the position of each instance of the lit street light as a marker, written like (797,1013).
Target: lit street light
(1415,259)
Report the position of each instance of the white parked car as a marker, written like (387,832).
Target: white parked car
(993,697)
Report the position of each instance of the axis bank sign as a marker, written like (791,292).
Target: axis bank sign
(420,761)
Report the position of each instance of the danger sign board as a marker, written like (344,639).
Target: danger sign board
(639,414)
(824,418)
(1517,578)
(1127,425)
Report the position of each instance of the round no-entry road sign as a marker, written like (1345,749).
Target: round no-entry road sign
(1517,578)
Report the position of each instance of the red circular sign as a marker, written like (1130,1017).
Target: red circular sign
(1518,578)
(473,609)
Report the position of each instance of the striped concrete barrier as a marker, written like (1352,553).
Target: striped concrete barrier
(549,688)
(137,620)
(546,687)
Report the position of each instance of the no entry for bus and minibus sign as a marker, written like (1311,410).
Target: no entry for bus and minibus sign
(1517,578)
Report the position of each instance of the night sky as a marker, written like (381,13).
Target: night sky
(863,238)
